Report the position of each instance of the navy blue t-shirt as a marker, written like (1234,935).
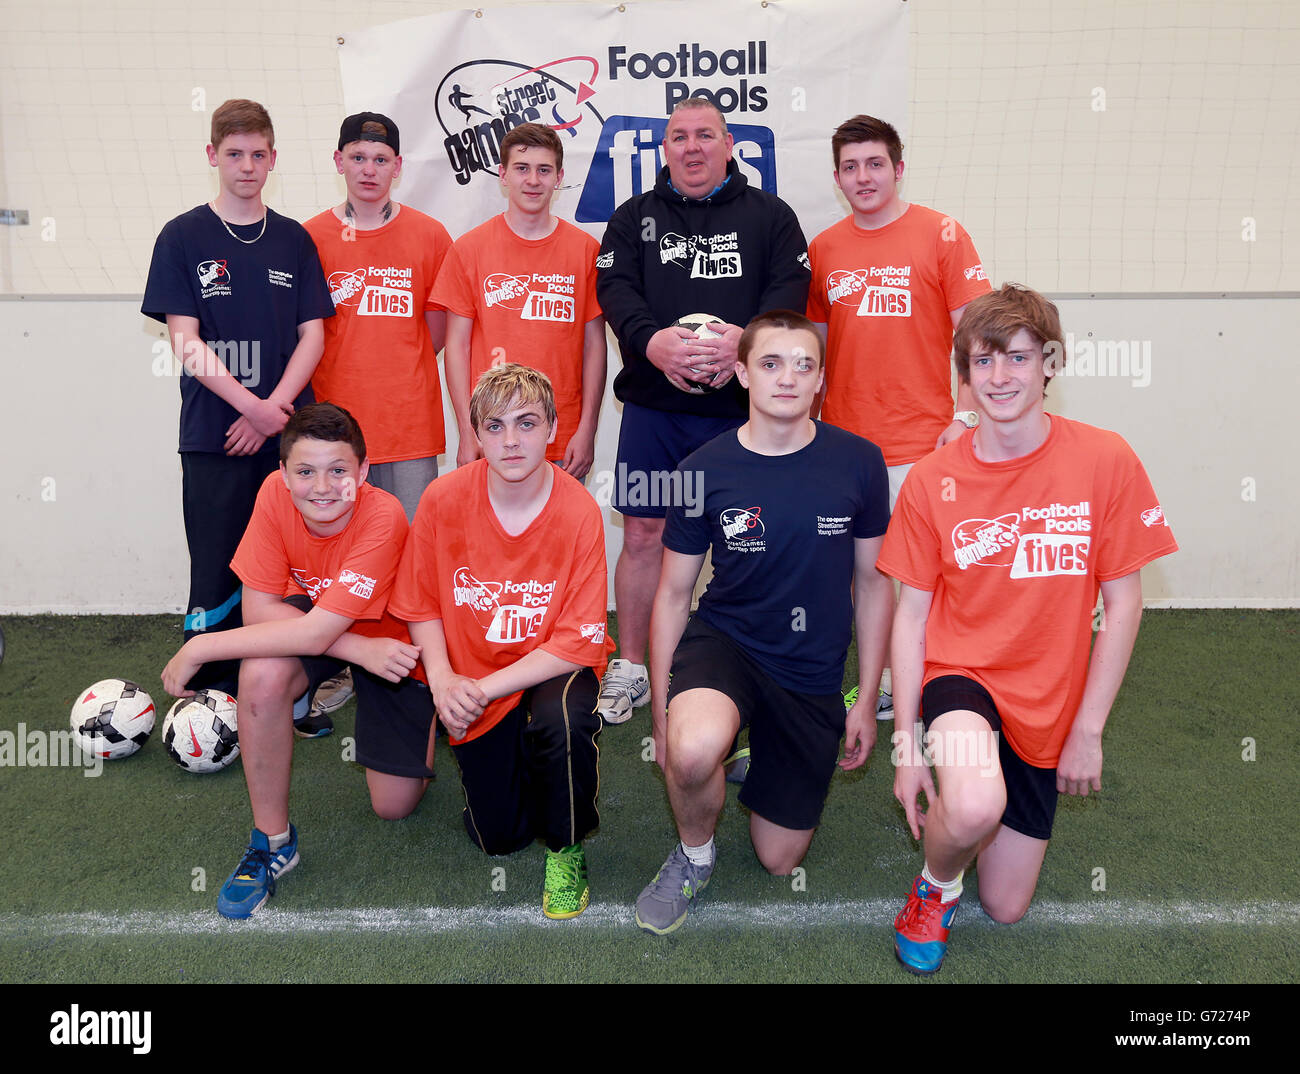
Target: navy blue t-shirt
(782,530)
(249,298)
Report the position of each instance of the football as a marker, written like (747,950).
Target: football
(703,325)
(112,719)
(200,733)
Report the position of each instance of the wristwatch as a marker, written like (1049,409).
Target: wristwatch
(968,418)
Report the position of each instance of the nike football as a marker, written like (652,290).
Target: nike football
(705,326)
(201,733)
(112,719)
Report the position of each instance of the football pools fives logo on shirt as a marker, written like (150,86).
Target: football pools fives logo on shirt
(375,291)
(1058,544)
(743,529)
(537,297)
(509,612)
(703,256)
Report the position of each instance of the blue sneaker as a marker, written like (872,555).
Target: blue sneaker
(254,878)
(921,929)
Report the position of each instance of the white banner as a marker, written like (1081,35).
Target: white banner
(606,76)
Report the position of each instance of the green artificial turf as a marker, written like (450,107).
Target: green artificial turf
(1195,847)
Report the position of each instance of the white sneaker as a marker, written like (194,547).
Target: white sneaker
(625,686)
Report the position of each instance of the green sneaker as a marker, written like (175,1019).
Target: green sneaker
(850,699)
(565,893)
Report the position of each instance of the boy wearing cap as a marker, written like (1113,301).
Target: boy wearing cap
(381,348)
(241,292)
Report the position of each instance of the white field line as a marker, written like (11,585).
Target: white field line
(1101,912)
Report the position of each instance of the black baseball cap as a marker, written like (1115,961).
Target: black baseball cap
(382,129)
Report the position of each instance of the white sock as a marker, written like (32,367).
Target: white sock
(277,841)
(949,890)
(701,855)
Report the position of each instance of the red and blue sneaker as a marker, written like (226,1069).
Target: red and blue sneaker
(921,928)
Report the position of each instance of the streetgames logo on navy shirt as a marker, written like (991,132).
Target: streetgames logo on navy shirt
(705,257)
(879,291)
(375,291)
(1059,543)
(537,297)
(214,278)
(742,529)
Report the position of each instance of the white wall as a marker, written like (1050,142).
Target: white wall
(91,488)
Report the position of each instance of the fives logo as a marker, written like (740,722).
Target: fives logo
(214,278)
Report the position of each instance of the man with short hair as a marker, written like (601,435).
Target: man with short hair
(381,348)
(1001,540)
(794,512)
(241,291)
(522,288)
(318,562)
(503,583)
(890,282)
(702,241)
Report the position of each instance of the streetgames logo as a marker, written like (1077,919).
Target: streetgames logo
(705,256)
(376,290)
(478,102)
(742,529)
(357,584)
(879,291)
(1154,516)
(503,623)
(593,632)
(986,542)
(539,297)
(1060,547)
(214,278)
(313,585)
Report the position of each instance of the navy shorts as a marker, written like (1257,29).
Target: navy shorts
(1031,792)
(795,737)
(650,445)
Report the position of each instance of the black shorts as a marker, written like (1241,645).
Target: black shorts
(650,445)
(395,720)
(794,737)
(1031,792)
(536,773)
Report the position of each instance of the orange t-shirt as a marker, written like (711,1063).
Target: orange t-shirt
(500,596)
(1014,553)
(350,574)
(530,301)
(379,361)
(887,296)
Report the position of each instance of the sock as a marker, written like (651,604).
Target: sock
(302,706)
(277,841)
(947,891)
(701,855)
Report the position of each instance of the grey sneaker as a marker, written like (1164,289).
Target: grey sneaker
(624,687)
(663,905)
(885,706)
(330,696)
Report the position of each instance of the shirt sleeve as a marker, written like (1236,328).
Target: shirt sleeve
(591,301)
(817,309)
(962,272)
(453,291)
(436,256)
(167,289)
(415,591)
(314,302)
(619,286)
(261,560)
(1134,530)
(789,272)
(873,519)
(580,631)
(911,551)
(368,567)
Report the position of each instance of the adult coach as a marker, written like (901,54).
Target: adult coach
(794,512)
(702,241)
(890,282)
(381,347)
(1001,540)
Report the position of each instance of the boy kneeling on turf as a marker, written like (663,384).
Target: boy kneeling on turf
(794,511)
(317,562)
(1001,540)
(503,583)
